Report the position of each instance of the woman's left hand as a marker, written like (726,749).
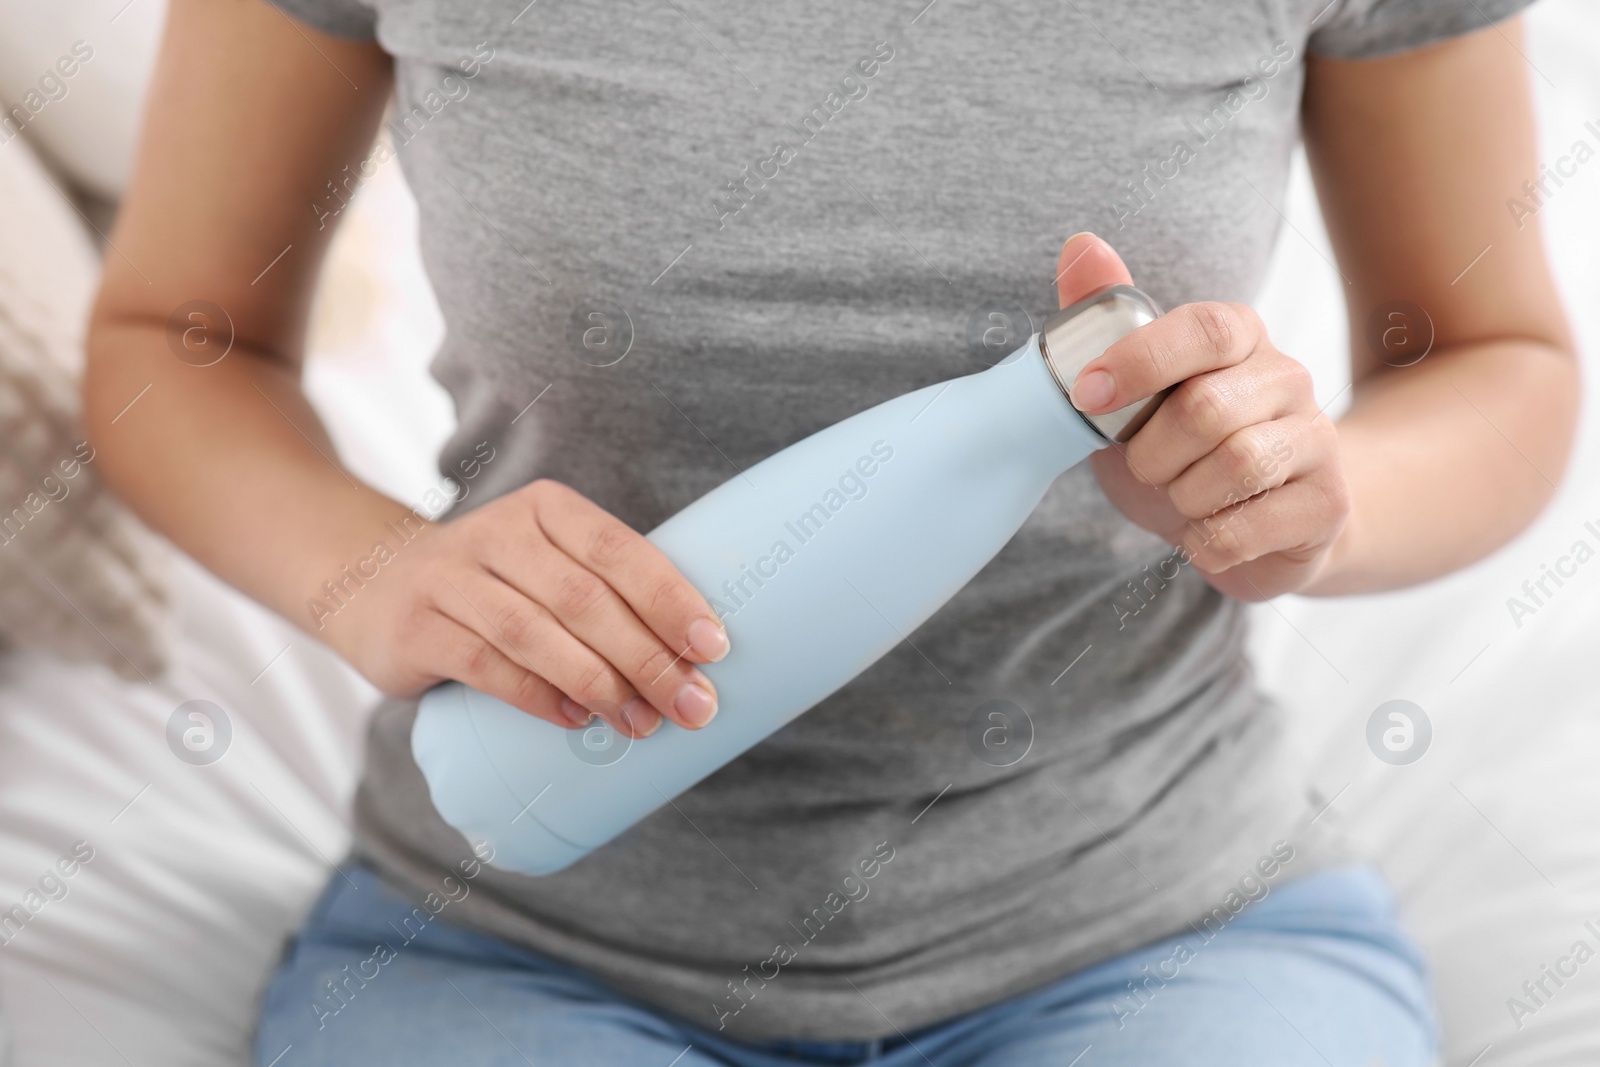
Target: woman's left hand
(1238,468)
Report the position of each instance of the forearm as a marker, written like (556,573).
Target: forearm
(1449,459)
(231,463)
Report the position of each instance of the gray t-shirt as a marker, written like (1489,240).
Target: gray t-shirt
(787,212)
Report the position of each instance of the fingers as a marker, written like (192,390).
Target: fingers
(1188,340)
(1086,265)
(1207,409)
(470,658)
(594,615)
(532,638)
(1149,506)
(1294,523)
(636,569)
(1250,461)
(1236,465)
(545,601)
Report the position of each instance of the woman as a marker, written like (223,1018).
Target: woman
(776,215)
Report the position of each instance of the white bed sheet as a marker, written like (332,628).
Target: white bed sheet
(158,950)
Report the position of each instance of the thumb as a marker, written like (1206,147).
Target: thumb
(1087,264)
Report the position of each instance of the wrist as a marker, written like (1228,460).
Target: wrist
(357,570)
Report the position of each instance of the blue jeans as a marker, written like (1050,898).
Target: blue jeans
(1317,974)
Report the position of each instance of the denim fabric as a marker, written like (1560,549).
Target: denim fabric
(1318,973)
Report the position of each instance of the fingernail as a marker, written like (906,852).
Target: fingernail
(708,640)
(1094,389)
(1074,237)
(695,705)
(576,713)
(641,717)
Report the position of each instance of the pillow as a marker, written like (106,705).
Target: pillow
(78,73)
(79,576)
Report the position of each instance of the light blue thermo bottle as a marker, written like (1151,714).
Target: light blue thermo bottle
(819,560)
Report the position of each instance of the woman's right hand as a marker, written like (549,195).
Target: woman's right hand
(546,601)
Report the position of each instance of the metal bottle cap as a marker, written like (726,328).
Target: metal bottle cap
(1079,332)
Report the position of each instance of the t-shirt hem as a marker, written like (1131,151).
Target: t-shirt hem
(1319,847)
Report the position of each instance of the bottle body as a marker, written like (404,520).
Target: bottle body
(819,559)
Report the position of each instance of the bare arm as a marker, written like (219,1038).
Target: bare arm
(246,121)
(1436,463)
(1414,158)
(539,597)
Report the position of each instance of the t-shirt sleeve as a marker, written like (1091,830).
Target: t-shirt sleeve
(1366,29)
(341,18)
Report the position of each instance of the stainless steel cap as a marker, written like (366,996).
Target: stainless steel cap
(1079,332)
